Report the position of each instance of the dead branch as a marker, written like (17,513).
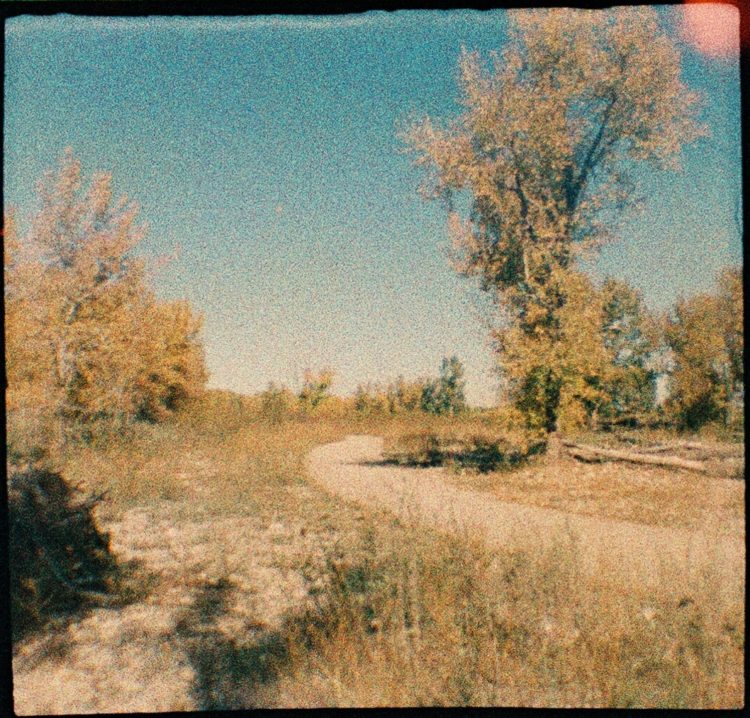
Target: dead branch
(694,446)
(588,452)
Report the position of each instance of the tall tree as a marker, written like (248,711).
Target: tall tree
(30,393)
(86,338)
(546,150)
(172,369)
(92,287)
(705,334)
(558,373)
(731,307)
(699,391)
(446,394)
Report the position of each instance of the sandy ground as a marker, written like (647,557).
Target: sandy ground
(614,551)
(218,585)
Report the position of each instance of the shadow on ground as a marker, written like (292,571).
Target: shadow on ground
(233,667)
(227,672)
(479,455)
(60,560)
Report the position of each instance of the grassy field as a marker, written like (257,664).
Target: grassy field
(393,614)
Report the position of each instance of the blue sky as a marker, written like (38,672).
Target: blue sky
(266,149)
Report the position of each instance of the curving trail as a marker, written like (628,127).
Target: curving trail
(617,552)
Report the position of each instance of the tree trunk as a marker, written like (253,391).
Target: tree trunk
(588,452)
(554,446)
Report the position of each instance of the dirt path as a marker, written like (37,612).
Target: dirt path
(224,582)
(616,551)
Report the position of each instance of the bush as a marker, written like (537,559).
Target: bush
(59,559)
(420,449)
(477,448)
(277,404)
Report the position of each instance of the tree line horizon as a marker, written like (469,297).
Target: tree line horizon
(546,150)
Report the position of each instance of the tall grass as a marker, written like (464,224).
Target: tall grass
(400,615)
(411,618)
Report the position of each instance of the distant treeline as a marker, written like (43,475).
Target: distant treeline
(441,395)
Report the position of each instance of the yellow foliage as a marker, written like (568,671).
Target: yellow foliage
(706,342)
(544,151)
(315,389)
(173,370)
(572,414)
(86,340)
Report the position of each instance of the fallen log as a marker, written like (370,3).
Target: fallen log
(658,448)
(728,450)
(699,451)
(589,452)
(694,446)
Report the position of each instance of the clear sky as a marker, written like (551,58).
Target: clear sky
(266,149)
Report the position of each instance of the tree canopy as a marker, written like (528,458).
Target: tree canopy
(446,394)
(705,335)
(546,151)
(86,338)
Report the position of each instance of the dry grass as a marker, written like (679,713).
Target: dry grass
(417,619)
(648,495)
(247,470)
(398,615)
(616,490)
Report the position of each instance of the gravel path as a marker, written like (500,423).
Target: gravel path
(615,551)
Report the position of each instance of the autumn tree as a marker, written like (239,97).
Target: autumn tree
(395,397)
(731,309)
(277,403)
(92,289)
(372,398)
(546,153)
(705,335)
(698,392)
(445,395)
(631,338)
(88,341)
(407,395)
(315,389)
(172,366)
(558,377)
